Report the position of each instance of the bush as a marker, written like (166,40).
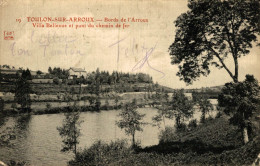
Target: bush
(56,80)
(182,127)
(167,135)
(48,106)
(193,124)
(102,153)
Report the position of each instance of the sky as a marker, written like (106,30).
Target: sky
(138,47)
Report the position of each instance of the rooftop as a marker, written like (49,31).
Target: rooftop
(77,69)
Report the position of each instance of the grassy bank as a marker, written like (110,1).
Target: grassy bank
(60,110)
(212,143)
(50,108)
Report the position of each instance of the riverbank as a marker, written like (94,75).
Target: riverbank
(40,104)
(212,143)
(54,108)
(39,132)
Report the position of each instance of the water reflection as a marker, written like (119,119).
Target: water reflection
(39,142)
(22,124)
(4,131)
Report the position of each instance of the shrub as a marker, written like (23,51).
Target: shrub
(193,124)
(48,106)
(56,80)
(167,135)
(102,153)
(181,127)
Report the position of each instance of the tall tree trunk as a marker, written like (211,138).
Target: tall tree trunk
(133,139)
(245,135)
(236,70)
(178,124)
(244,131)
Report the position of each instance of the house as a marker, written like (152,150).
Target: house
(76,72)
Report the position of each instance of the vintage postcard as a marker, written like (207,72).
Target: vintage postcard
(128,82)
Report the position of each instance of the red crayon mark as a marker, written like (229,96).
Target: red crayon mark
(8,35)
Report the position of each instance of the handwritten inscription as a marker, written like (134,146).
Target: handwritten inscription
(145,51)
(47,42)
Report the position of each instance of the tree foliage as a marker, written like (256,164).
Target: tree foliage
(181,108)
(239,100)
(204,104)
(39,72)
(23,90)
(161,97)
(70,131)
(131,120)
(212,31)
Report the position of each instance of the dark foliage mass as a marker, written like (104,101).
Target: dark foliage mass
(212,31)
(240,101)
(23,90)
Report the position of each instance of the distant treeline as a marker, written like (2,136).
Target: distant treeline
(60,75)
(104,77)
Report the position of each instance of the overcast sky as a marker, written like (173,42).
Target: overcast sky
(109,49)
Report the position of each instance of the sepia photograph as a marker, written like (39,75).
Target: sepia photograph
(129,82)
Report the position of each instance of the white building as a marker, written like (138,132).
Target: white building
(76,72)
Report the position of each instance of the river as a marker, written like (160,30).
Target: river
(39,143)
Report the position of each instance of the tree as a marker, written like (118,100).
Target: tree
(204,104)
(50,70)
(56,80)
(39,72)
(97,103)
(27,74)
(23,90)
(240,100)
(131,120)
(106,104)
(162,97)
(6,66)
(181,107)
(116,100)
(70,131)
(212,31)
(97,90)
(161,115)
(48,106)
(91,100)
(97,82)
(205,107)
